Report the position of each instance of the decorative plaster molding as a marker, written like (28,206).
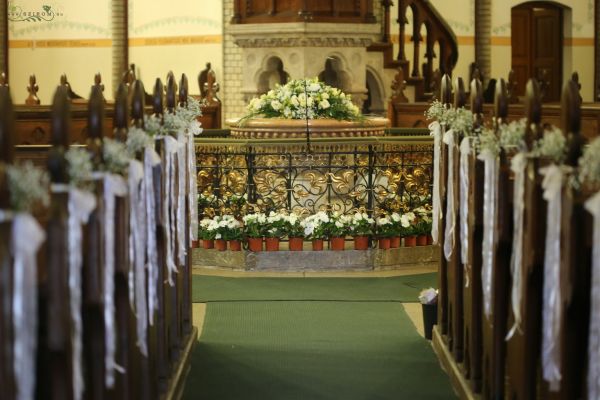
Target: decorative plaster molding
(303,42)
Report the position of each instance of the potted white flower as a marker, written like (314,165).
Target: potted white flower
(295,232)
(361,228)
(207,230)
(275,229)
(254,226)
(337,229)
(314,229)
(385,230)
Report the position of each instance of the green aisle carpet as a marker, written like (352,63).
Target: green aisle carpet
(313,351)
(208,289)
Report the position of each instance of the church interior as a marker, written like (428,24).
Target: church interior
(299,199)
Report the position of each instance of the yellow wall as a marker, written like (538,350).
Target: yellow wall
(179,35)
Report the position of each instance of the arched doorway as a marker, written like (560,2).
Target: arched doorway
(537,45)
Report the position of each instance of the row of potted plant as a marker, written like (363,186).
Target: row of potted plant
(389,229)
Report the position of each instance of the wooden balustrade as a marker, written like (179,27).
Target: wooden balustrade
(170,334)
(494,363)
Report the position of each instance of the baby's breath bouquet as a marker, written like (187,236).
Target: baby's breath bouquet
(589,164)
(304,98)
(553,145)
(28,186)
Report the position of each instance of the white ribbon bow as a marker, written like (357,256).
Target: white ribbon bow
(517,165)
(490,209)
(114,186)
(171,147)
(465,152)
(552,304)
(27,237)
(436,131)
(450,211)
(151,159)
(593,373)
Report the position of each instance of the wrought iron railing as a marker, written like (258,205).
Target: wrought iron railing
(390,173)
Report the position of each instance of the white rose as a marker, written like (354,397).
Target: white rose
(324,96)
(339,224)
(294,101)
(396,217)
(276,105)
(313,87)
(324,104)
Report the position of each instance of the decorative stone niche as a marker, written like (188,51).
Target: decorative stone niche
(275,52)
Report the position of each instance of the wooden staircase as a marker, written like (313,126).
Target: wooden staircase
(425,80)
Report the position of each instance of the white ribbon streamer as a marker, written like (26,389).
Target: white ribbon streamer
(593,373)
(169,204)
(517,165)
(151,159)
(81,204)
(436,131)
(193,189)
(450,211)
(465,152)
(114,186)
(490,209)
(552,304)
(27,237)
(137,240)
(182,169)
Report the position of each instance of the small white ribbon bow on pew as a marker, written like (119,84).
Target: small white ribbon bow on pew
(552,302)
(151,159)
(593,374)
(490,210)
(465,152)
(137,251)
(169,217)
(27,237)
(114,186)
(436,131)
(517,165)
(450,212)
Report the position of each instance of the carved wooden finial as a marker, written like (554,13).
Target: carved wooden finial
(157,98)
(61,123)
(95,125)
(544,82)
(211,88)
(65,82)
(138,103)
(460,97)
(533,112)
(121,116)
(571,121)
(171,91)
(98,83)
(476,100)
(436,83)
(3,79)
(446,90)
(511,88)
(183,91)
(474,72)
(203,79)
(500,101)
(33,88)
(398,86)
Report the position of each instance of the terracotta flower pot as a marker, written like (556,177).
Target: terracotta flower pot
(394,242)
(410,241)
(208,244)
(195,244)
(255,244)
(296,243)
(361,242)
(235,245)
(317,245)
(422,240)
(429,239)
(221,244)
(337,243)
(384,243)
(272,244)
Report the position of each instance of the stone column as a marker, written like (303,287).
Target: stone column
(120,41)
(483,37)
(4,37)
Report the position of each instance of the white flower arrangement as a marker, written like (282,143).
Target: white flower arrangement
(28,186)
(153,126)
(589,163)
(137,140)
(428,296)
(361,224)
(314,225)
(462,122)
(553,145)
(488,141)
(301,99)
(79,166)
(255,224)
(440,112)
(226,227)
(512,136)
(116,157)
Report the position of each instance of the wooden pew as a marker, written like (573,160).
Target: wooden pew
(494,329)
(454,265)
(443,316)
(472,292)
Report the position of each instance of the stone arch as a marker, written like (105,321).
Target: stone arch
(376,97)
(335,73)
(271,73)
